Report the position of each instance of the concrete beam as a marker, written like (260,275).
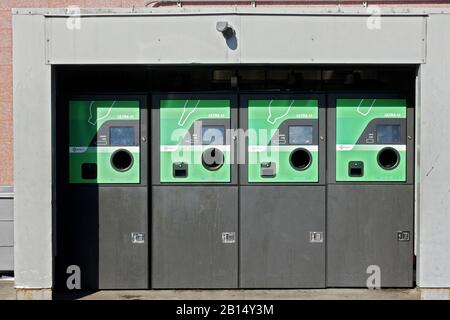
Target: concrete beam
(32,155)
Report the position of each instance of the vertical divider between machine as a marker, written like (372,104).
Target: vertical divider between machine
(326,105)
(149,141)
(237,165)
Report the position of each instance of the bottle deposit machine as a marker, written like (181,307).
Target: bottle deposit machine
(103,204)
(195,193)
(370,211)
(282,193)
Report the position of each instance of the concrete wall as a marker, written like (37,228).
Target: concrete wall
(33,255)
(434,157)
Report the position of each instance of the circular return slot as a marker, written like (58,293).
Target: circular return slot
(300,159)
(122,160)
(213,159)
(388,158)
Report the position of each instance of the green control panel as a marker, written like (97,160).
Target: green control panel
(371,140)
(194,140)
(283,141)
(104,140)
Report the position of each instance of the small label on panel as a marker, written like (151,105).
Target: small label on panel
(138,237)
(228,237)
(316,237)
(403,236)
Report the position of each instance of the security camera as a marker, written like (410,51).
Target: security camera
(224,28)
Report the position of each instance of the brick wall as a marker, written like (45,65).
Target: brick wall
(6,119)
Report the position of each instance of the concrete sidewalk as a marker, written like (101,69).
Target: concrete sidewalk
(7,292)
(328,294)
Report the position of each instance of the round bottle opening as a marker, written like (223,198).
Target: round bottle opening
(122,160)
(300,159)
(213,159)
(388,158)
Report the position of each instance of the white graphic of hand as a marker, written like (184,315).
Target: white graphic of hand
(185,116)
(272,118)
(359,109)
(94,118)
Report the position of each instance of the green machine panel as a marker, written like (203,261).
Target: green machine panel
(283,140)
(194,140)
(104,141)
(371,140)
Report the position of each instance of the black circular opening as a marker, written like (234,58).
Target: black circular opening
(212,159)
(300,159)
(122,160)
(388,158)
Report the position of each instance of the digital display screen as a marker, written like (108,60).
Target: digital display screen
(121,136)
(214,135)
(300,134)
(388,133)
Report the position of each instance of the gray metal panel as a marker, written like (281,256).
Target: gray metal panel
(434,157)
(187,227)
(325,39)
(156,40)
(123,264)
(6,258)
(362,226)
(276,251)
(6,234)
(192,38)
(6,209)
(6,192)
(6,230)
(32,155)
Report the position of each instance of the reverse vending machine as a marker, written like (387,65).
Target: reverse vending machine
(195,193)
(194,146)
(104,139)
(282,193)
(103,204)
(371,140)
(370,193)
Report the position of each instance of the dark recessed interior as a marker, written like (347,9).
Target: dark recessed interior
(122,160)
(212,159)
(356,172)
(180,170)
(388,158)
(356,168)
(300,159)
(147,79)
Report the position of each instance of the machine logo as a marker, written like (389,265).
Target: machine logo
(185,115)
(365,112)
(273,117)
(93,117)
